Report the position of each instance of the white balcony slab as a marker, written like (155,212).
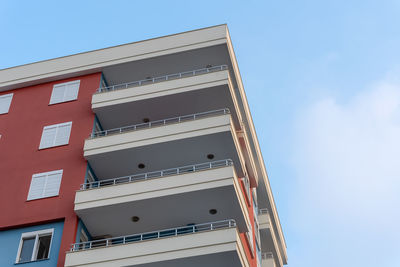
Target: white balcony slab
(163,202)
(217,248)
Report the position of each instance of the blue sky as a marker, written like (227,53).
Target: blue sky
(322,80)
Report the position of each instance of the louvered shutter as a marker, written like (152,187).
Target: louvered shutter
(62,136)
(71,91)
(48,137)
(64,92)
(52,184)
(37,186)
(5,102)
(55,135)
(45,184)
(57,95)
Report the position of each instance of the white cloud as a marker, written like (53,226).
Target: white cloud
(347,160)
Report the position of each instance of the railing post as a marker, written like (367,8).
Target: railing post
(106,242)
(123,240)
(211,226)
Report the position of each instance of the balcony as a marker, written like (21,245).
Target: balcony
(269,242)
(267,260)
(161,199)
(155,98)
(157,145)
(209,244)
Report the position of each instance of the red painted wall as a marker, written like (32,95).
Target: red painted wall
(252,257)
(21,129)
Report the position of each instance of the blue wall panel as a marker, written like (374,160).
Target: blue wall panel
(9,242)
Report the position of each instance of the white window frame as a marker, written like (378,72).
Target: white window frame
(52,101)
(9,104)
(44,189)
(35,234)
(55,137)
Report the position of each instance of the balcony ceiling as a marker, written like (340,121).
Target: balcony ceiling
(164,212)
(168,106)
(169,64)
(166,155)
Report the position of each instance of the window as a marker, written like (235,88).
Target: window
(64,92)
(34,246)
(5,102)
(45,184)
(55,135)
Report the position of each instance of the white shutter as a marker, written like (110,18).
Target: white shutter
(37,186)
(63,132)
(45,184)
(64,92)
(48,137)
(55,135)
(5,102)
(71,91)
(52,184)
(57,95)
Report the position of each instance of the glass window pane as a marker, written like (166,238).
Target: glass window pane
(43,247)
(27,249)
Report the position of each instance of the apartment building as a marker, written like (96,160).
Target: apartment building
(143,154)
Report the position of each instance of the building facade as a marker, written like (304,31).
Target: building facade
(143,154)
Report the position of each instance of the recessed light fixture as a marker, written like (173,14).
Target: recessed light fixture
(146,120)
(212,211)
(135,219)
(141,166)
(210,156)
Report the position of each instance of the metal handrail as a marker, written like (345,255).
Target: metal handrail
(189,229)
(157,174)
(158,123)
(267,255)
(262,211)
(162,78)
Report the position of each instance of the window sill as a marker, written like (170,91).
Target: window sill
(18,263)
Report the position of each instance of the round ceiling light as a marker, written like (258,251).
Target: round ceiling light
(212,211)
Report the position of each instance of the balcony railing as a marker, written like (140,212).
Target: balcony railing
(267,255)
(189,229)
(157,174)
(262,211)
(162,78)
(159,123)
